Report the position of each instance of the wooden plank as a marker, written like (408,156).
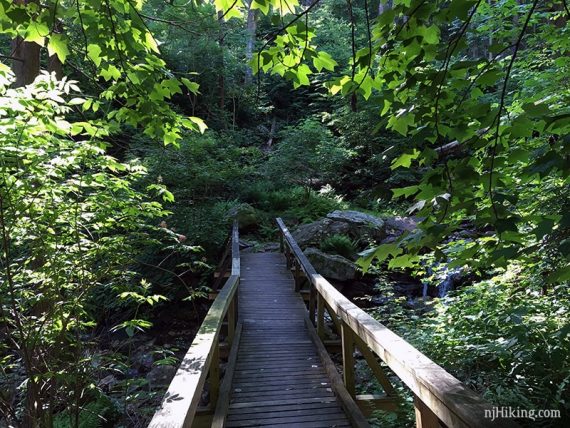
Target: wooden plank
(246,411)
(276,371)
(348,359)
(272,387)
(278,364)
(337,416)
(297,401)
(232,321)
(320,317)
(281,395)
(315,424)
(281,383)
(235,250)
(239,377)
(350,407)
(214,378)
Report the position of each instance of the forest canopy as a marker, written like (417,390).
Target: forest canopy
(132,132)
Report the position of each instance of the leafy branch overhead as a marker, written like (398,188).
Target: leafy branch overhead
(125,58)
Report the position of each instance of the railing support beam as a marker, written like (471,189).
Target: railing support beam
(425,418)
(348,359)
(232,321)
(320,317)
(214,380)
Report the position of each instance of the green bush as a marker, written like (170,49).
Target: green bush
(72,222)
(208,224)
(98,413)
(341,245)
(502,337)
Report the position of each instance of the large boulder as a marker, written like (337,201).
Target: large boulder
(354,224)
(396,226)
(360,224)
(313,233)
(399,225)
(331,266)
(356,218)
(245,214)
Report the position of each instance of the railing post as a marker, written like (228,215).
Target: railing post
(236,300)
(231,321)
(297,276)
(312,301)
(320,316)
(281,244)
(348,358)
(215,375)
(425,418)
(288,257)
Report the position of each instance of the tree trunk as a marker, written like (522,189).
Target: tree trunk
(26,65)
(251,29)
(55,66)
(221,79)
(272,133)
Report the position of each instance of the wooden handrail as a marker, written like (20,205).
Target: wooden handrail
(438,395)
(231,248)
(182,398)
(235,249)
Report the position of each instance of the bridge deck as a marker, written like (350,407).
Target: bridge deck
(279,379)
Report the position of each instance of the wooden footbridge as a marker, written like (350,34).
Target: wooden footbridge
(269,364)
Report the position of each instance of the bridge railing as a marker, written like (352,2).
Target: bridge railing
(440,399)
(201,364)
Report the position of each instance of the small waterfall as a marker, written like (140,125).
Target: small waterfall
(448,277)
(442,277)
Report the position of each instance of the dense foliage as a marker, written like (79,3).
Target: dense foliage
(116,197)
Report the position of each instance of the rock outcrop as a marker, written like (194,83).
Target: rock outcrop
(355,224)
(331,266)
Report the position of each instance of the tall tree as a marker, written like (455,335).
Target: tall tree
(26,56)
(251,29)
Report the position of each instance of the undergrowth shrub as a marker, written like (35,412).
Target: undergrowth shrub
(339,244)
(502,337)
(72,219)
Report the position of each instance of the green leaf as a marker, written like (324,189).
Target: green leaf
(381,253)
(401,122)
(403,261)
(192,86)
(200,123)
(231,8)
(559,275)
(111,72)
(94,52)
(37,32)
(151,43)
(405,191)
(57,45)
(405,160)
(324,60)
(430,34)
